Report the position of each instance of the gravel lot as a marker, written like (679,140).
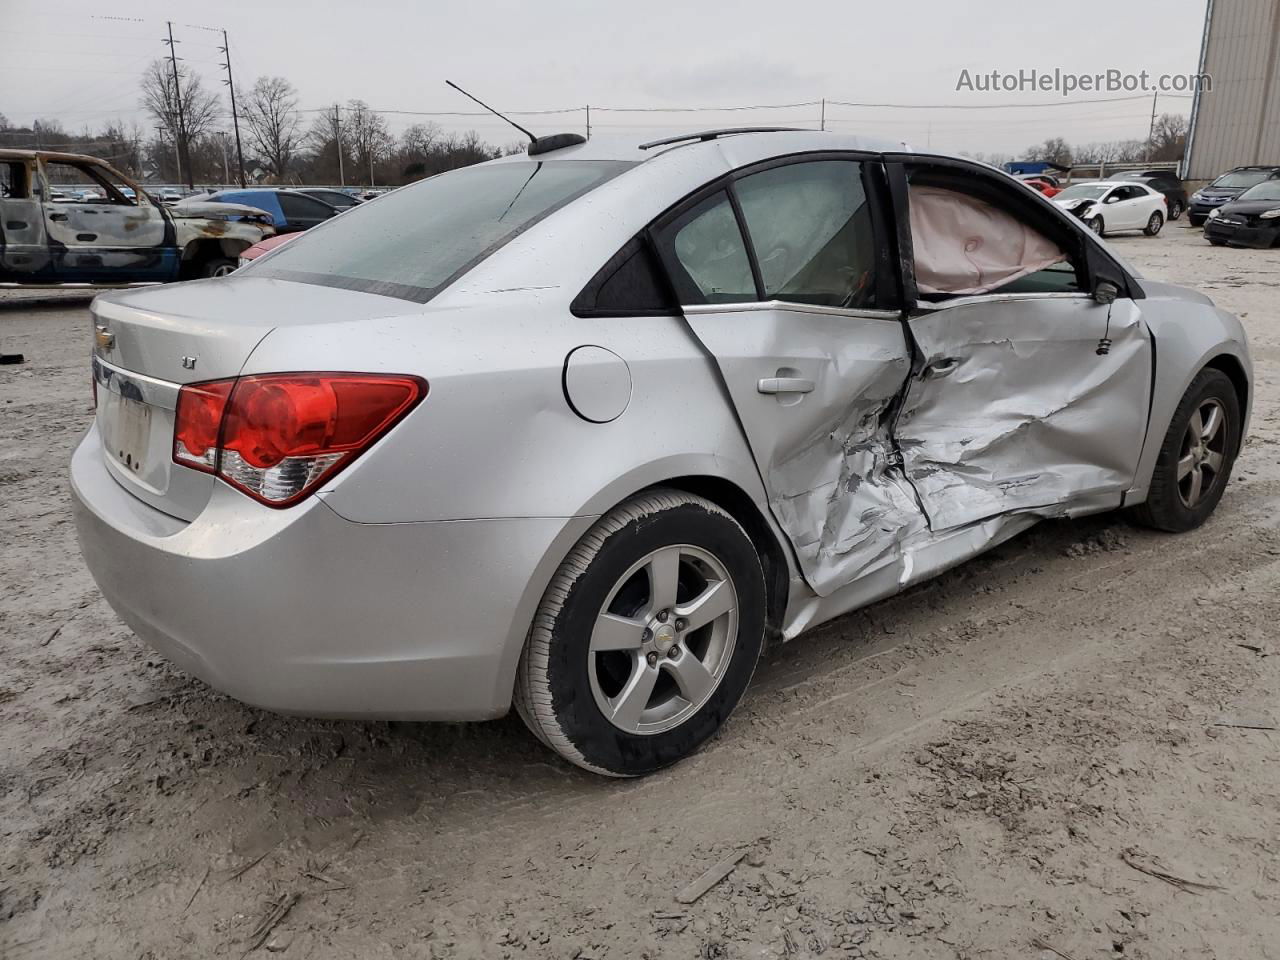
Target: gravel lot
(994,764)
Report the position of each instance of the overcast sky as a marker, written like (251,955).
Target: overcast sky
(73,62)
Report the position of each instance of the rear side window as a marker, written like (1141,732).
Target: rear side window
(417,240)
(811,228)
(13,180)
(706,254)
(299,207)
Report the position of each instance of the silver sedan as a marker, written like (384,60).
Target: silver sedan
(582,430)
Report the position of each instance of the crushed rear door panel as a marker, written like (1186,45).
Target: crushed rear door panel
(826,456)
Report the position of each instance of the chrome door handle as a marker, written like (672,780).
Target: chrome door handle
(941,368)
(785,385)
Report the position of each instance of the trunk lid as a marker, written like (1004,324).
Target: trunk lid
(148,343)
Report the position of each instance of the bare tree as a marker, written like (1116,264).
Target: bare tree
(367,133)
(326,140)
(418,141)
(271,111)
(185,109)
(1054,150)
(4,122)
(1168,137)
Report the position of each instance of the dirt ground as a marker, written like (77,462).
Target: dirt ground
(1065,748)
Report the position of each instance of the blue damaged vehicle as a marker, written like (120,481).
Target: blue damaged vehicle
(67,219)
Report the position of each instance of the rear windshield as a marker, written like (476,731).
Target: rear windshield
(1263,191)
(1241,178)
(417,240)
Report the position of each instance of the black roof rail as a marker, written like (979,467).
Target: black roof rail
(713,134)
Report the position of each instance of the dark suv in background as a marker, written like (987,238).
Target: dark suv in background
(1227,187)
(1162,181)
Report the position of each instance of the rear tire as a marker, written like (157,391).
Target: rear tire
(1154,224)
(618,675)
(1177,501)
(216,267)
(1175,210)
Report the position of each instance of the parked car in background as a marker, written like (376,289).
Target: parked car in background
(102,235)
(335,198)
(334,482)
(1109,206)
(1164,181)
(290,210)
(1250,220)
(266,246)
(169,195)
(1227,187)
(1044,185)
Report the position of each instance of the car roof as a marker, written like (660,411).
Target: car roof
(778,142)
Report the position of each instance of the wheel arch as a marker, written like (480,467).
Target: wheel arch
(724,493)
(773,556)
(1234,369)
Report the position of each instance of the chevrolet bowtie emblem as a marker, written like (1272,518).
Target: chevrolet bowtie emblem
(103,337)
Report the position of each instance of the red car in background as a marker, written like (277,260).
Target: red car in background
(1046,185)
(265,246)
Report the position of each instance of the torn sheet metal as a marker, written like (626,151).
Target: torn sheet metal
(834,483)
(1014,408)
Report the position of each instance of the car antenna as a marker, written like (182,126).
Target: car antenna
(536,144)
(532,138)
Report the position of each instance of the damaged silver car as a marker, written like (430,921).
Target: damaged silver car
(582,430)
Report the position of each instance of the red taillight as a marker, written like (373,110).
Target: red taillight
(277,436)
(197,421)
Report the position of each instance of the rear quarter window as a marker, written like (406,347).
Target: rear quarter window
(415,242)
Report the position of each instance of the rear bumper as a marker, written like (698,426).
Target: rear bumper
(301,611)
(1261,238)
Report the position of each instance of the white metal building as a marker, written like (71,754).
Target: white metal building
(1237,122)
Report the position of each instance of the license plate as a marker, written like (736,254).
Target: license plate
(126,430)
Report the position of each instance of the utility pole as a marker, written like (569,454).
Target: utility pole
(1151,133)
(180,136)
(226,168)
(235,117)
(337,139)
(822,124)
(588,121)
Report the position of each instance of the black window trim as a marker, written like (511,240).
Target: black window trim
(889,284)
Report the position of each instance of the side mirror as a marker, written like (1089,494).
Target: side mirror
(1106,292)
(1111,199)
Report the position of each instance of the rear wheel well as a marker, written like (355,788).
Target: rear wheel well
(198,251)
(1232,367)
(735,501)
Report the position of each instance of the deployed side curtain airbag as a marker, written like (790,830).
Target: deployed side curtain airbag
(965,246)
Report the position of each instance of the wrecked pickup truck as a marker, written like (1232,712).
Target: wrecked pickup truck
(117,235)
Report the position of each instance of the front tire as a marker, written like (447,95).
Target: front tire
(1096,225)
(1154,224)
(646,638)
(1196,457)
(1196,221)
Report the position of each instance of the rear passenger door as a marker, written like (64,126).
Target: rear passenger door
(783,272)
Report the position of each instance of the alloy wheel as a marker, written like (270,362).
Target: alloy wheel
(222,270)
(663,640)
(1203,452)
(1096,225)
